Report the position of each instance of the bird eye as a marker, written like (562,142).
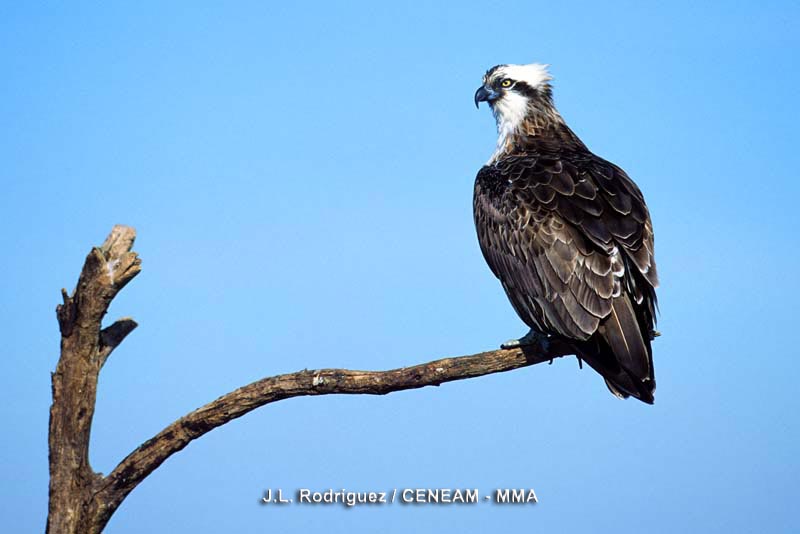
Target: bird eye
(506,83)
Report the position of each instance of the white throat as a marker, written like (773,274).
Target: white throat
(509,112)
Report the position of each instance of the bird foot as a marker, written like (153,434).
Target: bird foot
(531,338)
(654,334)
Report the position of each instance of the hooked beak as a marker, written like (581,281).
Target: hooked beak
(485,94)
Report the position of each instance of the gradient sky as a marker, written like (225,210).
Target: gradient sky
(300,176)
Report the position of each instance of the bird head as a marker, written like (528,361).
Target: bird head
(516,91)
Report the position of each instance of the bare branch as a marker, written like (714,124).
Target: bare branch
(147,457)
(82,501)
(112,336)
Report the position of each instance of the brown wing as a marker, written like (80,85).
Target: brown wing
(570,238)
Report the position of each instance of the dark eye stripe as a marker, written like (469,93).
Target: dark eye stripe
(524,89)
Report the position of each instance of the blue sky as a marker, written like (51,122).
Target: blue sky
(300,177)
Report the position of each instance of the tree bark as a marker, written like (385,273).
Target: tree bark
(85,346)
(82,501)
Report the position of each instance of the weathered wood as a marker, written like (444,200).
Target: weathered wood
(82,501)
(72,481)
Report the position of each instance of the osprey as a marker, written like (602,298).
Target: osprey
(567,233)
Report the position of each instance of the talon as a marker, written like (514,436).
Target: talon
(531,338)
(654,334)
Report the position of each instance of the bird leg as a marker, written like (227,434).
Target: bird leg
(533,337)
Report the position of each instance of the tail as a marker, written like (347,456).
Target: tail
(620,351)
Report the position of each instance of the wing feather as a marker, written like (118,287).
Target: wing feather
(571,241)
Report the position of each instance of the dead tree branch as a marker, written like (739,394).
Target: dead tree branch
(82,501)
(84,350)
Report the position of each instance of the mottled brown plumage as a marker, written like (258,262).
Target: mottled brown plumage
(569,236)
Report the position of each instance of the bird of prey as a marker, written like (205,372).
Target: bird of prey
(567,233)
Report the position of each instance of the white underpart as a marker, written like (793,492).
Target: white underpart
(510,110)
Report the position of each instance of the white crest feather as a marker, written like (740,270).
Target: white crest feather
(534,74)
